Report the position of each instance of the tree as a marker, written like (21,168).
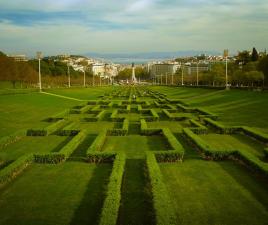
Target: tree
(254,55)
(243,57)
(263,66)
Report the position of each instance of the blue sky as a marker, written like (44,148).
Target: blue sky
(81,26)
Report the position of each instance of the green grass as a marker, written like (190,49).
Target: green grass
(33,145)
(234,142)
(135,145)
(215,193)
(25,111)
(55,194)
(136,204)
(174,126)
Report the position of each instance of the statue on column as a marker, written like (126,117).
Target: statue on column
(133,79)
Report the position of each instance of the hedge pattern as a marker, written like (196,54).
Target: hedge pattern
(97,143)
(10,139)
(12,170)
(110,209)
(164,210)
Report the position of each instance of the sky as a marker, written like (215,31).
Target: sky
(112,26)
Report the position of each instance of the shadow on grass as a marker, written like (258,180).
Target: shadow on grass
(62,144)
(90,206)
(157,143)
(136,203)
(257,185)
(81,150)
(134,128)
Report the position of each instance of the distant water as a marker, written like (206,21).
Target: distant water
(134,60)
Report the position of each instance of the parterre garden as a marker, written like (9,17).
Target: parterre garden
(134,155)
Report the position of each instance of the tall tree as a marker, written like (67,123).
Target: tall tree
(254,55)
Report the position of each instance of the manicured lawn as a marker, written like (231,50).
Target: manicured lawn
(135,145)
(68,193)
(174,126)
(205,192)
(25,111)
(28,145)
(234,142)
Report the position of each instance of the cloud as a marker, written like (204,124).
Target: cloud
(129,25)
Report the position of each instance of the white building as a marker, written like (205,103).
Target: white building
(163,68)
(19,58)
(98,69)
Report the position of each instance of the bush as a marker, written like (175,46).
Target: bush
(32,132)
(50,158)
(7,140)
(12,170)
(199,128)
(68,132)
(172,140)
(207,113)
(164,210)
(95,157)
(223,129)
(110,209)
(101,115)
(252,132)
(148,131)
(68,149)
(97,143)
(169,156)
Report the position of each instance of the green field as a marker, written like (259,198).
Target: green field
(77,123)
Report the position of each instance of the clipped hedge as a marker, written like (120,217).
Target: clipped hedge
(172,140)
(49,129)
(110,208)
(163,206)
(254,133)
(7,140)
(169,156)
(97,143)
(49,158)
(154,114)
(148,131)
(119,132)
(101,115)
(95,157)
(114,115)
(12,170)
(223,129)
(199,128)
(68,149)
(207,113)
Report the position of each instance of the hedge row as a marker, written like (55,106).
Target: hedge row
(148,131)
(185,108)
(85,109)
(199,128)
(101,115)
(172,140)
(49,129)
(249,159)
(114,115)
(98,142)
(119,132)
(110,208)
(95,157)
(207,113)
(169,156)
(182,116)
(12,170)
(7,140)
(154,114)
(92,102)
(163,206)
(96,108)
(49,158)
(254,133)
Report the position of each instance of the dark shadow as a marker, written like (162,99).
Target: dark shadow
(89,210)
(256,184)
(158,143)
(189,151)
(81,150)
(136,203)
(134,128)
(62,144)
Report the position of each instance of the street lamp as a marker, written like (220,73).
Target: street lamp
(39,56)
(84,76)
(197,74)
(225,54)
(69,76)
(182,80)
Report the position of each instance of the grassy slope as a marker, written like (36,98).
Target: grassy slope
(24,111)
(235,107)
(55,194)
(33,145)
(215,193)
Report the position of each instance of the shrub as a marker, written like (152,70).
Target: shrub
(169,156)
(110,209)
(164,210)
(97,143)
(68,149)
(148,131)
(254,133)
(12,170)
(207,113)
(172,140)
(154,114)
(50,158)
(101,115)
(114,115)
(95,157)
(199,128)
(7,140)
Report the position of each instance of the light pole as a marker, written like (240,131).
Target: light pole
(166,78)
(182,80)
(39,56)
(197,74)
(84,76)
(172,79)
(161,78)
(226,53)
(69,76)
(93,81)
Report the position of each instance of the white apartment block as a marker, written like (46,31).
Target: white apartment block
(163,68)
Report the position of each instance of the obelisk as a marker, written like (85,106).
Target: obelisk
(134,80)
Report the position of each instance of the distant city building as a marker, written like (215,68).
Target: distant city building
(19,58)
(98,69)
(163,68)
(192,68)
